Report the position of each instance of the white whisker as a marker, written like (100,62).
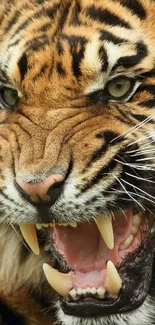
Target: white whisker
(133,199)
(139,189)
(20,237)
(135,128)
(140,178)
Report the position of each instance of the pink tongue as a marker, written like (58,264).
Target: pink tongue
(85,251)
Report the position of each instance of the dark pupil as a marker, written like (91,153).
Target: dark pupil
(119,85)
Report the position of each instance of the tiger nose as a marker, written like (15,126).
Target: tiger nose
(47,190)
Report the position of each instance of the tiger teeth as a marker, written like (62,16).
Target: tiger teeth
(64,224)
(127,242)
(63,283)
(113,281)
(137,219)
(74,294)
(30,235)
(106,230)
(60,282)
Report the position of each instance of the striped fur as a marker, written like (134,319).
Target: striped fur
(59,55)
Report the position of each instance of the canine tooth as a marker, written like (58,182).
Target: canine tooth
(61,283)
(134,230)
(113,281)
(127,242)
(101,292)
(30,235)
(39,226)
(93,291)
(106,230)
(137,220)
(73,293)
(79,291)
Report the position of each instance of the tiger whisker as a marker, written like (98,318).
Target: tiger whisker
(127,192)
(140,178)
(20,237)
(135,128)
(144,138)
(136,166)
(145,159)
(141,152)
(135,187)
(126,162)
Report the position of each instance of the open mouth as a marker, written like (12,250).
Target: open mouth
(103,267)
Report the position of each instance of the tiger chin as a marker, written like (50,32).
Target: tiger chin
(77,162)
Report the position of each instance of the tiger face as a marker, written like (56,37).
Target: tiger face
(77,120)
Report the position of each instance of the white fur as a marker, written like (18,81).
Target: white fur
(144,315)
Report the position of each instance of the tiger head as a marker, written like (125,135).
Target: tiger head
(77,134)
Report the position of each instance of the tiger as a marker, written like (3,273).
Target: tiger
(77,159)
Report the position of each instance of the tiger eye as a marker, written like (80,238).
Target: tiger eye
(10,97)
(119,87)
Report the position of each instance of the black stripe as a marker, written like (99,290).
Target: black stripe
(74,20)
(148,104)
(130,61)
(60,69)
(139,117)
(100,174)
(149,74)
(23,66)
(136,8)
(37,43)
(149,88)
(51,12)
(107,36)
(62,21)
(108,137)
(45,27)
(59,47)
(104,58)
(77,49)
(106,17)
(124,117)
(13,21)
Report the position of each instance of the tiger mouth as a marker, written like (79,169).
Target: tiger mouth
(105,264)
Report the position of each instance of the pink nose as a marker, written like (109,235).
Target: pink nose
(40,189)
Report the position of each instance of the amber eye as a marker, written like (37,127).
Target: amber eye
(9,97)
(119,87)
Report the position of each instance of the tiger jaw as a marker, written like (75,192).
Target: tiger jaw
(65,284)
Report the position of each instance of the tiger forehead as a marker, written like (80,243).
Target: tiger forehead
(70,39)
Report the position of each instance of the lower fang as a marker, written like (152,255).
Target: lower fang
(61,283)
(113,280)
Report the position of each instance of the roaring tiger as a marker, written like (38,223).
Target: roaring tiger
(77,162)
